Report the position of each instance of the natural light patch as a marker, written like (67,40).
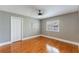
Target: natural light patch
(52,49)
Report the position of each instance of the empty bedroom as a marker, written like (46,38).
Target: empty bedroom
(39,28)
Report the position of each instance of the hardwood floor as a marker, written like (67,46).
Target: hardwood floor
(38,45)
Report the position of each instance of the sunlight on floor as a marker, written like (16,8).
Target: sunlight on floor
(52,49)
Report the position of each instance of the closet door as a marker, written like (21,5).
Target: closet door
(15,29)
(35,27)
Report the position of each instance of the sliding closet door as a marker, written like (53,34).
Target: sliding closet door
(16,34)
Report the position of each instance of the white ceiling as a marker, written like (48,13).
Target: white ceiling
(32,10)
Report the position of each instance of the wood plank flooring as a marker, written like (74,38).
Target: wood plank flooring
(38,45)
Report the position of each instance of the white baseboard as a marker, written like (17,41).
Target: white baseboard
(30,37)
(67,41)
(5,43)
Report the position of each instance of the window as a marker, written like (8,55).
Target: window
(52,26)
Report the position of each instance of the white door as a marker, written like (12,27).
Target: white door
(16,31)
(35,27)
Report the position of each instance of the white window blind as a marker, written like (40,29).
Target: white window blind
(52,26)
